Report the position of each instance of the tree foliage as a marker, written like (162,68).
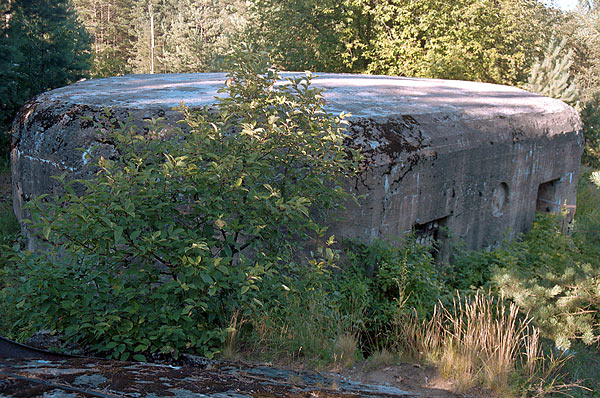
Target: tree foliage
(52,45)
(11,96)
(554,283)
(551,76)
(582,30)
(493,41)
(189,35)
(299,34)
(197,35)
(109,24)
(43,46)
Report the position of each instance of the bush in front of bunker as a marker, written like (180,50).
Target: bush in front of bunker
(175,235)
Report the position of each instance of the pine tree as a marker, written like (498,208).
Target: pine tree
(54,44)
(10,95)
(189,35)
(42,46)
(108,23)
(551,76)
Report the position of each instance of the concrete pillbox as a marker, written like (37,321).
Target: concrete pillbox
(447,159)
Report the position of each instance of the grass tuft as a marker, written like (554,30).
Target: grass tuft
(345,349)
(380,359)
(478,341)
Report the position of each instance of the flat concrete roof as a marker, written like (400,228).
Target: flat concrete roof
(361,95)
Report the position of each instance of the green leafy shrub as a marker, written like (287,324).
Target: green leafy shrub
(472,270)
(8,281)
(384,278)
(347,302)
(304,320)
(9,243)
(180,228)
(582,369)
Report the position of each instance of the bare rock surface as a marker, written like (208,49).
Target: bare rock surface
(474,159)
(86,377)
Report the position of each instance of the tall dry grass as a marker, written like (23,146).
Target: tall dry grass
(476,341)
(230,345)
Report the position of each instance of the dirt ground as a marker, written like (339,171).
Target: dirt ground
(422,379)
(109,378)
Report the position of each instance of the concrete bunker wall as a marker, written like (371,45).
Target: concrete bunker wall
(51,138)
(472,158)
(482,184)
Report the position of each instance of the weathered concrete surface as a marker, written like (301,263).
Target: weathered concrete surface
(475,158)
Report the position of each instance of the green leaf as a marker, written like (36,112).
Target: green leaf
(46,231)
(206,278)
(118,233)
(173,273)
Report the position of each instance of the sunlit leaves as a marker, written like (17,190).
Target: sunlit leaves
(175,233)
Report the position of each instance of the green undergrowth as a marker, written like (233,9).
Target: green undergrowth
(582,368)
(9,237)
(183,228)
(359,307)
(9,226)
(216,245)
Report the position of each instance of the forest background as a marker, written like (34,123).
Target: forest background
(555,278)
(48,44)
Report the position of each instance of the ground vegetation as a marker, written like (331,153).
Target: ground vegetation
(153,261)
(194,246)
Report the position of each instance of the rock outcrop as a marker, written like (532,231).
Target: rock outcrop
(448,159)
